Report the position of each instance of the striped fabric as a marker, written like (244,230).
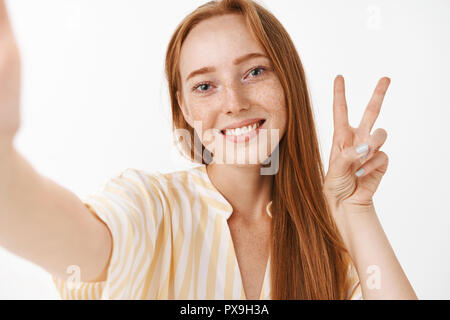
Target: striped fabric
(170,240)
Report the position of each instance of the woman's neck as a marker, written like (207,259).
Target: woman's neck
(244,187)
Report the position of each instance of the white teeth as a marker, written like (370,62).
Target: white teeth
(242,130)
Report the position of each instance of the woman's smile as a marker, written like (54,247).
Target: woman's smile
(243,131)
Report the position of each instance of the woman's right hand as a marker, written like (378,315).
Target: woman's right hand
(9,80)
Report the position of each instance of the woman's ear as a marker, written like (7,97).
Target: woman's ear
(186,114)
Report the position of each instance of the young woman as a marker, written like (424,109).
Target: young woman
(256,219)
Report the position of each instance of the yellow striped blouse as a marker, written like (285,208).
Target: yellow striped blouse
(170,240)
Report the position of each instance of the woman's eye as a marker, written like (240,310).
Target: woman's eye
(256,69)
(201,86)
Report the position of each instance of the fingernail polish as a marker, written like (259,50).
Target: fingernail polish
(359,172)
(362,148)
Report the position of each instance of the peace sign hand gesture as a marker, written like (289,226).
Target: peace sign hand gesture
(345,184)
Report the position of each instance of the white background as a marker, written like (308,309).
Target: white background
(95,102)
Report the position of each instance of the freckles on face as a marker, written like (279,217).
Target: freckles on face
(270,97)
(264,98)
(228,92)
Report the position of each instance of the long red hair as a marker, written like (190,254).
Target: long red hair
(309,260)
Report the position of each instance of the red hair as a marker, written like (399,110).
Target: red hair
(309,259)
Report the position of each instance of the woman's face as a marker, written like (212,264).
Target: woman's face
(230,94)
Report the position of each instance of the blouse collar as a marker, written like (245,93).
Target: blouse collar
(220,197)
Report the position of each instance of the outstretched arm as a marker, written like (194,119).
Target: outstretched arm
(40,220)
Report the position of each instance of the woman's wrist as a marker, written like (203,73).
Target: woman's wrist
(352,221)
(379,270)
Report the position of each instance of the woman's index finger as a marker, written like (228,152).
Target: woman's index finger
(373,107)
(340,113)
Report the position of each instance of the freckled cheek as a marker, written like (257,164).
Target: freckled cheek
(272,98)
(203,121)
(201,114)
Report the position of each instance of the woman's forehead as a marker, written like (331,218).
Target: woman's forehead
(217,42)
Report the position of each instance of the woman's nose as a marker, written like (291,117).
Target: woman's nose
(234,100)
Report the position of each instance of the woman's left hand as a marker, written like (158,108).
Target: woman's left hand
(342,187)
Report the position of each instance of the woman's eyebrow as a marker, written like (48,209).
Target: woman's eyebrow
(248,56)
(235,62)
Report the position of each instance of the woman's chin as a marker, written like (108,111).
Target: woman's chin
(241,157)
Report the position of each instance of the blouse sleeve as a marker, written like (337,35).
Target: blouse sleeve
(355,290)
(131,207)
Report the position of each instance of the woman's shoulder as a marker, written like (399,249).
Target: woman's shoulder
(140,179)
(147,192)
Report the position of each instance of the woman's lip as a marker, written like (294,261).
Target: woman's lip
(246,136)
(261,122)
(243,123)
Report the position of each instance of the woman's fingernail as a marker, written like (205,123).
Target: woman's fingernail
(359,172)
(362,148)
